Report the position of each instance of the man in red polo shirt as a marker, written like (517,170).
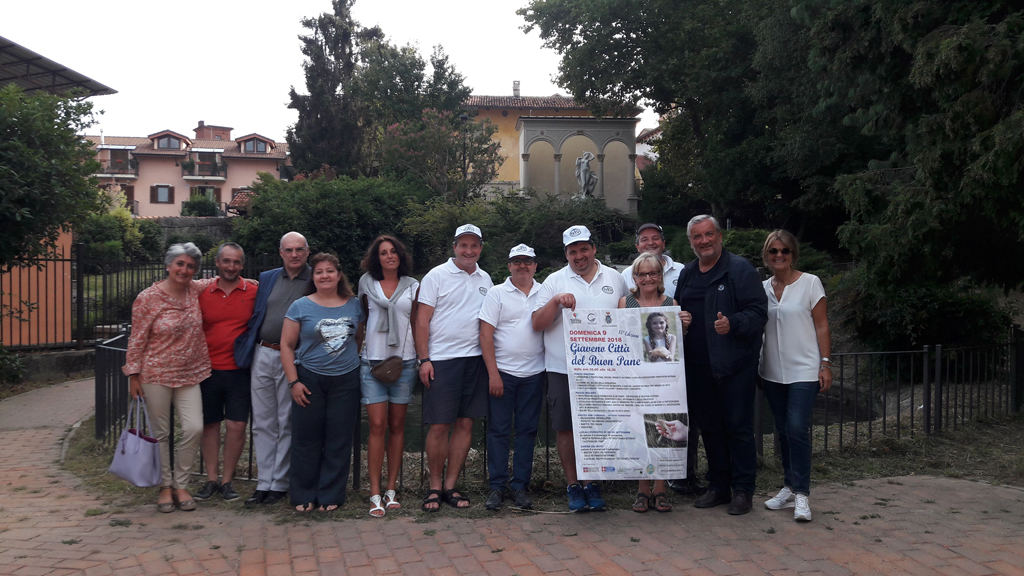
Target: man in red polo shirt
(227,306)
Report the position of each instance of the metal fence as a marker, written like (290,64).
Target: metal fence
(70,300)
(874,395)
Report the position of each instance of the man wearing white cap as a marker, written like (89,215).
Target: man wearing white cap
(584,283)
(514,356)
(451,367)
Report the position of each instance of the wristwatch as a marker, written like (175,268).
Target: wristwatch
(293,383)
(424,360)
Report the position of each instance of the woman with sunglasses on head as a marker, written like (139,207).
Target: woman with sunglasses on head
(650,293)
(795,364)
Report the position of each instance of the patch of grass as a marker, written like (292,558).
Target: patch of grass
(20,488)
(634,539)
(869,516)
(95,512)
(123,522)
(184,526)
(929,501)
(896,482)
(497,551)
(69,542)
(214,547)
(770,530)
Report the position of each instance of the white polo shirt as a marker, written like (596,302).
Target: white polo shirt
(603,292)
(518,350)
(670,276)
(456,298)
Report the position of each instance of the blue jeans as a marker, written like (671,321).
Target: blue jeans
(791,405)
(322,434)
(522,401)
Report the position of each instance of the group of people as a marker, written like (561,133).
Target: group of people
(303,349)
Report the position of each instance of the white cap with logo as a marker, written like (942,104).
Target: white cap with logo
(468,229)
(521,250)
(575,234)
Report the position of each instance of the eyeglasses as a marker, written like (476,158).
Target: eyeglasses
(646,275)
(522,261)
(295,250)
(774,251)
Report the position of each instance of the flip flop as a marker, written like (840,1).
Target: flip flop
(308,507)
(391,500)
(377,511)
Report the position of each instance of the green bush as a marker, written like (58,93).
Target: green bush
(909,315)
(202,240)
(748,242)
(199,205)
(12,368)
(622,250)
(152,241)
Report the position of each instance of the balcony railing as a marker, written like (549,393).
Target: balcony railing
(217,170)
(129,168)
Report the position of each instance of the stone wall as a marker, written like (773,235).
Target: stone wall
(217,227)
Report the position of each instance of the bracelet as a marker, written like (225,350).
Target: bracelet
(424,360)
(823,366)
(293,383)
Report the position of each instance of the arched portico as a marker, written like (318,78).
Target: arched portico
(606,138)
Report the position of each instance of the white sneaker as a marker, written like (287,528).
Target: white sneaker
(803,509)
(784,499)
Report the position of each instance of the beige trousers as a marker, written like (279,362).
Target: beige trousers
(188,407)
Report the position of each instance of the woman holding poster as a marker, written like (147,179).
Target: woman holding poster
(659,346)
(794,364)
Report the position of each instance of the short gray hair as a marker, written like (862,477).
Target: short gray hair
(230,245)
(700,218)
(187,248)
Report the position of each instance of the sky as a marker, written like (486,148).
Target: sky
(232,62)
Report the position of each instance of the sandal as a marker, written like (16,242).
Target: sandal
(661,503)
(305,507)
(452,500)
(377,511)
(432,497)
(166,507)
(391,500)
(328,508)
(642,503)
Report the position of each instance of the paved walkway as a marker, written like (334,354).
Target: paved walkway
(909,525)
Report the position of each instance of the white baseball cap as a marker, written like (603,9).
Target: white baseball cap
(468,229)
(575,234)
(521,250)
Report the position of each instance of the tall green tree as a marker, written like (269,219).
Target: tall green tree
(46,184)
(452,155)
(358,83)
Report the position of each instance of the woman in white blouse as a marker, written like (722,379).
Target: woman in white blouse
(390,294)
(794,364)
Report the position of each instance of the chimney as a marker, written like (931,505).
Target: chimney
(102,140)
(515,88)
(201,123)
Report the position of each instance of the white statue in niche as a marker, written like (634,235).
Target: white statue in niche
(585,176)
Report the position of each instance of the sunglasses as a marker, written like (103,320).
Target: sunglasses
(774,251)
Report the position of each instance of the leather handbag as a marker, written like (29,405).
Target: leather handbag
(388,370)
(137,456)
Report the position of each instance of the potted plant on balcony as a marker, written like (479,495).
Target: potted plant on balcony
(188,166)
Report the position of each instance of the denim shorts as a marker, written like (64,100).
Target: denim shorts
(398,392)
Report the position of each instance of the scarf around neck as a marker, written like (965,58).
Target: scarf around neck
(385,321)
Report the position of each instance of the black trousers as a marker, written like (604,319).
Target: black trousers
(724,411)
(322,434)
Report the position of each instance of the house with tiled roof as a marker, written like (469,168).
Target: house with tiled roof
(543,136)
(157,173)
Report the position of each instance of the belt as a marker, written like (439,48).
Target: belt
(271,346)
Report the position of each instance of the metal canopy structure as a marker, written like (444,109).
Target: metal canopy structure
(31,71)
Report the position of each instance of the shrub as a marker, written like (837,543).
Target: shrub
(12,368)
(202,240)
(622,250)
(199,205)
(152,241)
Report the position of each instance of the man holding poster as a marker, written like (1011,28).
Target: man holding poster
(584,284)
(723,292)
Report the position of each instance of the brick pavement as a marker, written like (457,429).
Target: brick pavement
(907,525)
